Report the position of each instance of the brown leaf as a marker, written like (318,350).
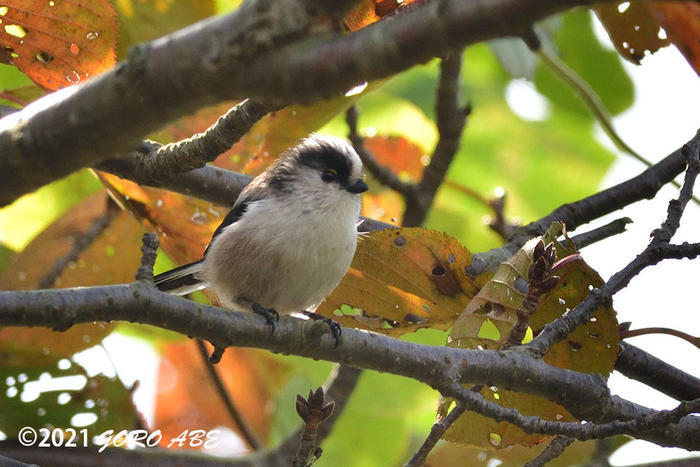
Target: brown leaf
(111,258)
(184,225)
(633,31)
(59,43)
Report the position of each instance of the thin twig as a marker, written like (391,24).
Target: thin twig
(540,281)
(601,233)
(653,254)
(551,452)
(339,387)
(384,175)
(436,432)
(498,223)
(450,118)
(626,334)
(149,249)
(246,432)
(155,164)
(80,244)
(313,411)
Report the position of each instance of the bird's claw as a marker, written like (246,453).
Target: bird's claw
(335,328)
(270,314)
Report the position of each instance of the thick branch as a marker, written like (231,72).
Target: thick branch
(635,363)
(234,56)
(584,395)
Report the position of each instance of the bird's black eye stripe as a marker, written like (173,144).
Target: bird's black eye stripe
(329,175)
(330,161)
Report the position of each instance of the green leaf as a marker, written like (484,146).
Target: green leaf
(540,165)
(30,214)
(600,67)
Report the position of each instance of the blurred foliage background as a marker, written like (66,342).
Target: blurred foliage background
(539,164)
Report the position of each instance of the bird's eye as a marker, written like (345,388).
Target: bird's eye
(329,175)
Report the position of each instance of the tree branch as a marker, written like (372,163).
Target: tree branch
(551,452)
(80,244)
(637,364)
(340,386)
(643,186)
(653,254)
(384,175)
(153,163)
(451,117)
(436,432)
(584,395)
(198,66)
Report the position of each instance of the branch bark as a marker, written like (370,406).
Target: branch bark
(585,396)
(202,64)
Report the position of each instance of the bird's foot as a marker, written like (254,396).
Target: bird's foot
(336,330)
(270,314)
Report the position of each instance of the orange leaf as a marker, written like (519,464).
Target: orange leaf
(404,158)
(402,280)
(59,43)
(187,400)
(681,20)
(184,225)
(111,258)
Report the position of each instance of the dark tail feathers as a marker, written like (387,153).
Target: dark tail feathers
(181,280)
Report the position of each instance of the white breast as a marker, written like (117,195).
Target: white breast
(285,255)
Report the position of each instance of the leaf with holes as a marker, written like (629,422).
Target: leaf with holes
(112,257)
(681,21)
(59,43)
(186,399)
(489,318)
(402,280)
(632,28)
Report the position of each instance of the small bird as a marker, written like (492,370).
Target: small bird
(289,238)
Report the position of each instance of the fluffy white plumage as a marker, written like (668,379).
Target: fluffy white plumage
(290,237)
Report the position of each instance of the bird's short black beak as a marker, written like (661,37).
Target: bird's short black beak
(358,187)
